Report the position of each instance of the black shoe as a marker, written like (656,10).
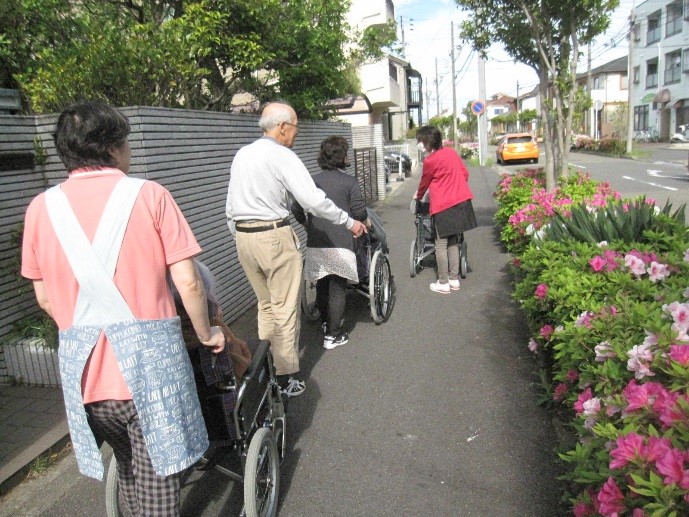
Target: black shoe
(330,342)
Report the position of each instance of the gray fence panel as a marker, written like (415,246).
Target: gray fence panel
(188,152)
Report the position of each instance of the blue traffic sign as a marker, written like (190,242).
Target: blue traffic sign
(477,107)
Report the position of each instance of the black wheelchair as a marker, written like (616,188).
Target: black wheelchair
(423,244)
(246,426)
(376,281)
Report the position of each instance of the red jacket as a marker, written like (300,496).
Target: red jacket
(446,177)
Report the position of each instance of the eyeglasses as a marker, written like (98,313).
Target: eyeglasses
(296,127)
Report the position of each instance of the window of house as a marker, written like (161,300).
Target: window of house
(685,59)
(392,70)
(598,83)
(674,22)
(653,32)
(673,67)
(624,82)
(636,74)
(652,73)
(641,118)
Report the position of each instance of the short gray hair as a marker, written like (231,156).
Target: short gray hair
(276,115)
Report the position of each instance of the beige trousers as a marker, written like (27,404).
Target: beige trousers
(273,265)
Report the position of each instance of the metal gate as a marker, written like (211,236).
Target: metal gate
(366,172)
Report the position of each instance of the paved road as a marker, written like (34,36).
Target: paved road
(430,414)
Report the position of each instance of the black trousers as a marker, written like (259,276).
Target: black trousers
(331,292)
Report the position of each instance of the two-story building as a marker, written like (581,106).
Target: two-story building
(608,90)
(499,104)
(660,65)
(390,88)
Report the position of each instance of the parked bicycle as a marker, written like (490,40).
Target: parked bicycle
(647,136)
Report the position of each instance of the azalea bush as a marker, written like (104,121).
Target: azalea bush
(525,206)
(609,324)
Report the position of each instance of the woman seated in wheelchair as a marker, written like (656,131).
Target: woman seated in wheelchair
(236,353)
(330,259)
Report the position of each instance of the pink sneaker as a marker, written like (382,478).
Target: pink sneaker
(440,288)
(454,284)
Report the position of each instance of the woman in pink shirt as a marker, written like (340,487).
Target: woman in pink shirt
(446,179)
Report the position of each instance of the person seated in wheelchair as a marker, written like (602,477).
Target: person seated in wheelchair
(236,355)
(330,260)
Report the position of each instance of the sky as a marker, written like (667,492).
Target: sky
(425,28)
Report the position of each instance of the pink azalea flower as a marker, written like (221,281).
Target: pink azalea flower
(679,313)
(541,291)
(682,334)
(583,510)
(657,271)
(546,331)
(572,375)
(640,357)
(533,345)
(584,319)
(611,260)
(630,448)
(604,351)
(560,391)
(591,407)
(651,339)
(611,499)
(671,465)
(640,396)
(656,448)
(635,264)
(680,354)
(597,263)
(670,412)
(638,512)
(583,397)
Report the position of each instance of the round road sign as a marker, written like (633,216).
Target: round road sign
(477,107)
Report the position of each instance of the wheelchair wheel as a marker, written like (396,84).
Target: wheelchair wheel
(414,267)
(463,261)
(112,490)
(308,300)
(381,287)
(262,475)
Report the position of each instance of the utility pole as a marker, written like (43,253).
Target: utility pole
(482,121)
(589,87)
(518,123)
(428,101)
(454,91)
(437,94)
(630,83)
(402,30)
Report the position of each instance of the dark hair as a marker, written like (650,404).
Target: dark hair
(86,131)
(333,153)
(430,137)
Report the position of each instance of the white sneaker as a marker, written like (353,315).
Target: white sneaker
(294,387)
(454,284)
(440,288)
(330,342)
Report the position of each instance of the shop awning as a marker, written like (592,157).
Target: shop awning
(663,96)
(648,97)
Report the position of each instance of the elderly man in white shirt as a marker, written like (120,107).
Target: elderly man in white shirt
(265,177)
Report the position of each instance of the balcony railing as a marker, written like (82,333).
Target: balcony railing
(651,80)
(673,26)
(652,35)
(673,75)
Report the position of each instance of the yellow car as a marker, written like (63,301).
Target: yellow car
(517,146)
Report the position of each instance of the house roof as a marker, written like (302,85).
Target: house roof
(500,99)
(616,66)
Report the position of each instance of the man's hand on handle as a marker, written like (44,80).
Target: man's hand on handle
(358,228)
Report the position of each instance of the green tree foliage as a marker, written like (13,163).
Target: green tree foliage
(185,53)
(546,35)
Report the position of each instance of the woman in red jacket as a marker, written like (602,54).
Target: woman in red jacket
(446,179)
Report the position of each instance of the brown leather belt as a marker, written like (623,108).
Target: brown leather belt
(272,225)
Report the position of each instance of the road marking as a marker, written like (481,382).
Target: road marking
(649,183)
(577,166)
(657,175)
